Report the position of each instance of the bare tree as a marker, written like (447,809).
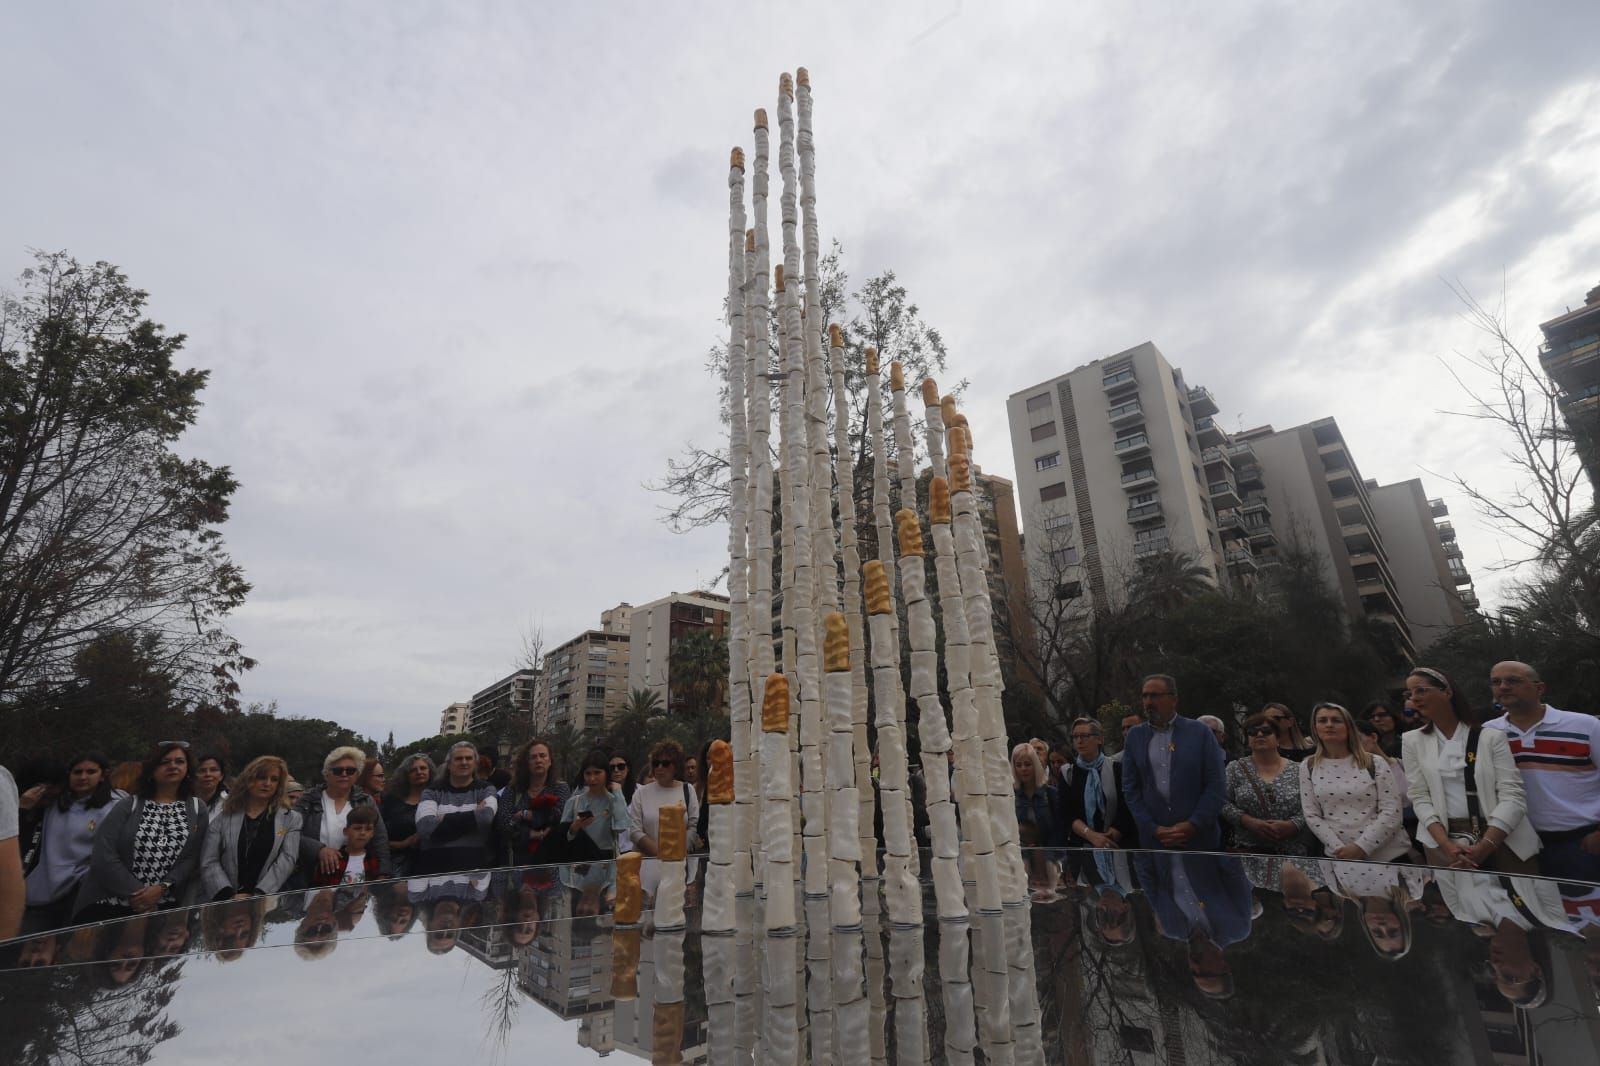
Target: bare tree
(530,657)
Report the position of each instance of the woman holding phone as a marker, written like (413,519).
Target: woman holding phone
(595,818)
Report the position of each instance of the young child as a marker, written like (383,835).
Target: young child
(359,864)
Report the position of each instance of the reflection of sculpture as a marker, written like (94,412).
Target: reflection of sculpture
(630,894)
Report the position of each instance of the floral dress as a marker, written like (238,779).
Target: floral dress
(1277,800)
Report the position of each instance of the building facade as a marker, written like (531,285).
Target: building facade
(1570,355)
(504,710)
(586,678)
(454,719)
(659,626)
(1428,567)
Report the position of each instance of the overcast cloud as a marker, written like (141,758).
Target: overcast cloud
(455,267)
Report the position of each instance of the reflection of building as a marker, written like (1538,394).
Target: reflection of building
(506,702)
(586,679)
(454,719)
(489,945)
(568,966)
(1570,355)
(633,1020)
(657,627)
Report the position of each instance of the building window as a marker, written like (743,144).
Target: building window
(1140,499)
(1045,462)
(1065,556)
(1058,491)
(596,692)
(1058,521)
(1044,432)
(1040,402)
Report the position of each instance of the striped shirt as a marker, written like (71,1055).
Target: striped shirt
(454,830)
(1557,760)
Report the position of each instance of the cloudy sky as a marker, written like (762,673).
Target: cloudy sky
(454,267)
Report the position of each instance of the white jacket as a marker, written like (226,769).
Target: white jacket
(1500,790)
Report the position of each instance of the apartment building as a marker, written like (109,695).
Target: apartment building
(1570,355)
(505,705)
(1121,459)
(1116,461)
(658,626)
(454,719)
(586,678)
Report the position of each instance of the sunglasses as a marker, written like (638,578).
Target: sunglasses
(344,771)
(666,762)
(1261,731)
(618,767)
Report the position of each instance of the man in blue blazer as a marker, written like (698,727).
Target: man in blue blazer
(1172,774)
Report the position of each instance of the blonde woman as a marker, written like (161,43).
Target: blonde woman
(1036,822)
(254,842)
(323,810)
(1471,806)
(1352,800)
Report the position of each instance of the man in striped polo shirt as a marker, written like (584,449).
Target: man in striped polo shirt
(1556,751)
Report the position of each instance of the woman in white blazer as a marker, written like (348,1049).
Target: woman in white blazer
(254,843)
(1494,833)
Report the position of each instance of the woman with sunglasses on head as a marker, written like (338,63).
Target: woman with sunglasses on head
(254,843)
(1472,810)
(71,814)
(1292,744)
(399,810)
(621,779)
(323,811)
(1387,723)
(1263,803)
(149,845)
(1351,798)
(456,815)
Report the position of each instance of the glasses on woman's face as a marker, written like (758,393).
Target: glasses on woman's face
(664,762)
(1261,731)
(344,771)
(619,767)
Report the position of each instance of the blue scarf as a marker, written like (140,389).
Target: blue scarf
(1094,799)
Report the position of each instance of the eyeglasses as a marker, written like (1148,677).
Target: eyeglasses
(618,767)
(165,744)
(344,771)
(666,762)
(1261,731)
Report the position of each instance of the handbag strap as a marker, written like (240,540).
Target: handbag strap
(1519,903)
(1474,806)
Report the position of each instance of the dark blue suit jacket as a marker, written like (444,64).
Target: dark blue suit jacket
(1218,881)
(1198,787)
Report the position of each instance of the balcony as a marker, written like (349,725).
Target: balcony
(1139,479)
(1248,475)
(1241,561)
(1208,432)
(1230,525)
(1437,507)
(1261,534)
(1267,560)
(1242,452)
(1571,359)
(1124,414)
(1255,503)
(1468,598)
(1121,381)
(1357,537)
(1452,550)
(1447,531)
(1201,402)
(1143,549)
(1224,493)
(1216,456)
(1460,575)
(1128,447)
(1145,512)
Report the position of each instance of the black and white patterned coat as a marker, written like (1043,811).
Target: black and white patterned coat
(110,873)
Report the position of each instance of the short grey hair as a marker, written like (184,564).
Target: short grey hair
(1093,724)
(1166,679)
(341,753)
(1211,719)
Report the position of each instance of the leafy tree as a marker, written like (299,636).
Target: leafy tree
(698,672)
(386,751)
(104,528)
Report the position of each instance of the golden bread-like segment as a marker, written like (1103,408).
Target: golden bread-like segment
(835,335)
(947,408)
(930,392)
(630,896)
(672,837)
(909,532)
(749,240)
(786,85)
(958,441)
(802,76)
(939,501)
(761,118)
(875,581)
(625,963)
(666,1034)
(960,473)
(719,781)
(872,360)
(736,159)
(775,705)
(835,643)
(897,376)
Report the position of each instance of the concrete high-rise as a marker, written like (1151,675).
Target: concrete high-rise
(586,678)
(658,627)
(1570,355)
(454,719)
(504,710)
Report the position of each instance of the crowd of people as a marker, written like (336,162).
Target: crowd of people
(98,841)
(1517,793)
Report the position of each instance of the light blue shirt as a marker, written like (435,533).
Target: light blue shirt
(1160,753)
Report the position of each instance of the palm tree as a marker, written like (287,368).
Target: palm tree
(697,670)
(643,702)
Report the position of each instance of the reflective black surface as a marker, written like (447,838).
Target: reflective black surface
(1151,959)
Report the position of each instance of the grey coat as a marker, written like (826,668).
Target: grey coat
(219,868)
(111,864)
(311,842)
